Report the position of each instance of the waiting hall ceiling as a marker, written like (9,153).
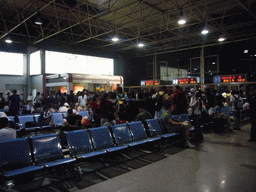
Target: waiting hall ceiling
(154,22)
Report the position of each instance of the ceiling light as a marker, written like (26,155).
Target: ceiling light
(245,51)
(255,55)
(221,39)
(205,31)
(8,40)
(213,63)
(38,21)
(140,45)
(182,21)
(115,39)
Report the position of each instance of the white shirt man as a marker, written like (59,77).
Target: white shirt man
(64,109)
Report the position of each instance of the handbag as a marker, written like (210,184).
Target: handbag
(190,111)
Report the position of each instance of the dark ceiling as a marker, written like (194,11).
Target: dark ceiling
(92,23)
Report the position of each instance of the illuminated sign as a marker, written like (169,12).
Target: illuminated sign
(184,81)
(229,79)
(150,82)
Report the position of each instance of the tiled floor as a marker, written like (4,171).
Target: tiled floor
(224,162)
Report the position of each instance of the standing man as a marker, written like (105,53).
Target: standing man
(237,106)
(179,102)
(71,98)
(122,100)
(29,99)
(14,103)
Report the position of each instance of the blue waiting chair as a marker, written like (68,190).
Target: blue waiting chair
(138,133)
(80,144)
(15,158)
(155,127)
(83,113)
(47,151)
(58,118)
(24,119)
(122,135)
(102,140)
(12,118)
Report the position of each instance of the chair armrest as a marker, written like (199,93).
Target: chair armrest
(154,131)
(121,140)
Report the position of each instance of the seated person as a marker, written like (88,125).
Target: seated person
(11,124)
(64,108)
(110,120)
(6,133)
(143,113)
(71,124)
(70,112)
(45,118)
(223,119)
(172,126)
(37,109)
(52,110)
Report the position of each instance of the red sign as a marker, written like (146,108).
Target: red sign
(233,78)
(187,81)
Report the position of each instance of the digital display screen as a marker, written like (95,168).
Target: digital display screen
(150,82)
(184,81)
(233,78)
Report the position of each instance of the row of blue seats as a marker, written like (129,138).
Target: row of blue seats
(58,118)
(16,157)
(226,110)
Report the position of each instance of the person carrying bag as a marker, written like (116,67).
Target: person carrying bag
(198,107)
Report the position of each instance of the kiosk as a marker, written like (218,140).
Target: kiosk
(77,82)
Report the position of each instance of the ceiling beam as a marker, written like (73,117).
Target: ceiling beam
(27,19)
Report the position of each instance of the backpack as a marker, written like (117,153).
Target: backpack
(182,103)
(159,102)
(238,104)
(122,103)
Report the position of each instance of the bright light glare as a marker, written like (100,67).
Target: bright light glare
(223,182)
(35,63)
(8,41)
(38,23)
(115,39)
(221,39)
(205,31)
(245,51)
(213,63)
(11,63)
(57,63)
(182,21)
(140,45)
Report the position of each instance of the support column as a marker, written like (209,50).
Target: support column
(42,55)
(202,68)
(154,68)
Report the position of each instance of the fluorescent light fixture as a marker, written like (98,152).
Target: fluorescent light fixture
(8,40)
(38,21)
(245,51)
(221,39)
(182,21)
(115,39)
(140,45)
(205,31)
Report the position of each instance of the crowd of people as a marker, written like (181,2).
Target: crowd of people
(108,108)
